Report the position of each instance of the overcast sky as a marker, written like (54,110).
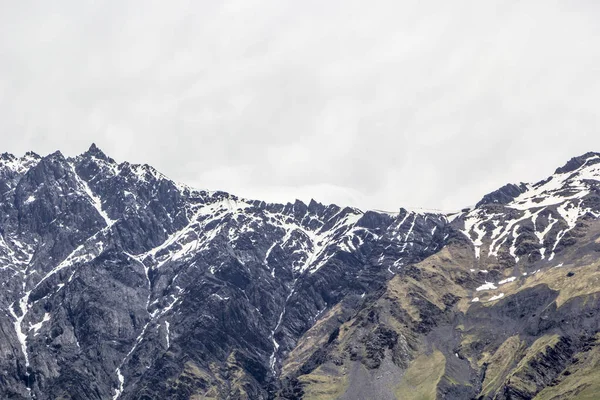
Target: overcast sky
(377,104)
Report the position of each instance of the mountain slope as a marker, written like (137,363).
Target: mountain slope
(506,310)
(121,284)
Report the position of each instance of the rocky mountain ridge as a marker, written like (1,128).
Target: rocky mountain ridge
(121,284)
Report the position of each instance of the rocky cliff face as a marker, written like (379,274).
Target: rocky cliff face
(120,284)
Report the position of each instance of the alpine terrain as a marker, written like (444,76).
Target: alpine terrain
(118,283)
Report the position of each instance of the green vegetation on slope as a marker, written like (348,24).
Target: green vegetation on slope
(422,377)
(500,363)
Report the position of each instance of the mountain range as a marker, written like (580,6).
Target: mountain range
(119,283)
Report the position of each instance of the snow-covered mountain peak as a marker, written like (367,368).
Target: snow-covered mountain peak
(577,162)
(536,219)
(18,165)
(573,181)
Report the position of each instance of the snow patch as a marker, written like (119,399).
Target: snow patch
(486,286)
(497,297)
(36,327)
(167,334)
(507,280)
(22,337)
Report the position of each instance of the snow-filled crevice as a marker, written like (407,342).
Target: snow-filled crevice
(273,358)
(95,201)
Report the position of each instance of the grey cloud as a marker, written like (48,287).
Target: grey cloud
(377,104)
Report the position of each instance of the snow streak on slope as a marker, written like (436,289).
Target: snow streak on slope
(322,239)
(310,236)
(84,253)
(559,188)
(23,307)
(570,213)
(544,206)
(94,200)
(474,224)
(195,236)
(273,358)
